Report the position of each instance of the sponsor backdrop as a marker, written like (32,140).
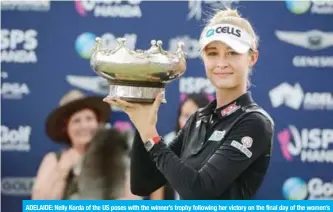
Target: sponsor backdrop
(45,50)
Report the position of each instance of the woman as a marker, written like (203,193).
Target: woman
(73,172)
(188,106)
(224,149)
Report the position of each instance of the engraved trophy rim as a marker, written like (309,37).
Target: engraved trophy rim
(137,75)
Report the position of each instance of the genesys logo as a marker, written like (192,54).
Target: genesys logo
(86,41)
(13,90)
(296,188)
(294,97)
(313,40)
(322,7)
(196,7)
(191,46)
(307,145)
(15,139)
(19,46)
(109,9)
(17,186)
(33,6)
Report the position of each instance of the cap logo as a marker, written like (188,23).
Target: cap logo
(225,30)
(234,36)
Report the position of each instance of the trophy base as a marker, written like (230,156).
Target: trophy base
(135,94)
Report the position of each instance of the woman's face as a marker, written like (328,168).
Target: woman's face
(82,126)
(189,107)
(225,68)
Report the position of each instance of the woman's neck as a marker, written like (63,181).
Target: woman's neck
(80,149)
(226,96)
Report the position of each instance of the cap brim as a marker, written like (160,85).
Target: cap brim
(236,45)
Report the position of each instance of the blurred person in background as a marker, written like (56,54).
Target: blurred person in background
(188,106)
(93,153)
(224,149)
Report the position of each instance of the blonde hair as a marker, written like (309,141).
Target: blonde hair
(232,16)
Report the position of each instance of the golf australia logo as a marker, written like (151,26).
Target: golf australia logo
(295,98)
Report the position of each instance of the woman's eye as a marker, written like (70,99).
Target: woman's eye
(212,53)
(232,53)
(77,120)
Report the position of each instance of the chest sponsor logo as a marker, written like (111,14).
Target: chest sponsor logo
(230,109)
(242,148)
(217,135)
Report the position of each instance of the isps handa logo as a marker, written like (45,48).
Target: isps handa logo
(86,41)
(19,46)
(296,188)
(109,9)
(307,145)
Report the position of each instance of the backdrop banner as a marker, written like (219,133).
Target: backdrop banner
(45,50)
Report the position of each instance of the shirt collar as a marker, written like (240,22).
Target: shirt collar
(234,107)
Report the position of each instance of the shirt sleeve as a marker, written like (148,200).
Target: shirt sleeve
(248,140)
(145,177)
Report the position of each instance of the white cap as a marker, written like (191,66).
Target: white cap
(235,37)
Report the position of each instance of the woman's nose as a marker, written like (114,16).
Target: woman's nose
(221,64)
(85,124)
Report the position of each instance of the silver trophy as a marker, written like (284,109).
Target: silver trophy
(137,75)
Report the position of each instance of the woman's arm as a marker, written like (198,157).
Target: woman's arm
(145,177)
(128,194)
(51,179)
(158,194)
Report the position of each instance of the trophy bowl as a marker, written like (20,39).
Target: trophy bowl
(137,75)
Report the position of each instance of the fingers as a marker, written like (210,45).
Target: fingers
(125,104)
(110,100)
(158,101)
(119,103)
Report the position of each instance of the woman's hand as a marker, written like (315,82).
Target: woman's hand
(143,116)
(68,159)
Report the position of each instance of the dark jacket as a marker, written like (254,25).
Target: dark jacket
(221,153)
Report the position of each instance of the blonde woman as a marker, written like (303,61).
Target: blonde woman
(224,149)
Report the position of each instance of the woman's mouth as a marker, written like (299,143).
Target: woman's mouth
(223,74)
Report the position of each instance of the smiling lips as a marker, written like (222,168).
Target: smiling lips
(223,74)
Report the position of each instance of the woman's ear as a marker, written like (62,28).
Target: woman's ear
(254,55)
